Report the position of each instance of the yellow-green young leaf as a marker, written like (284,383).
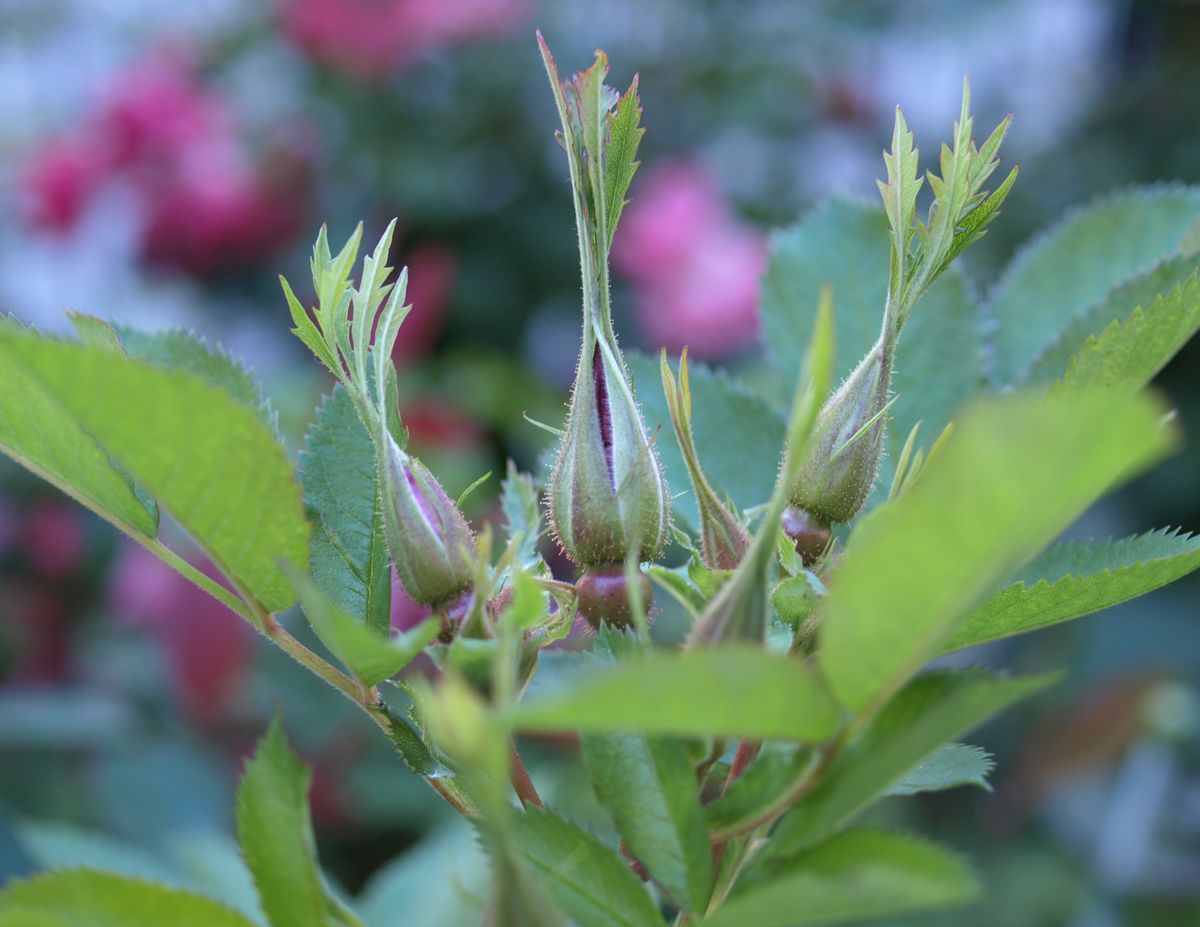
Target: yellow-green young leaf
(86,898)
(929,711)
(275,832)
(1016,472)
(1076,578)
(341,497)
(858,875)
(723,691)
(620,153)
(1071,266)
(649,787)
(1128,354)
(40,434)
(591,882)
(731,426)
(372,657)
(207,458)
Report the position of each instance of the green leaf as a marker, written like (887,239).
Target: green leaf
(620,153)
(176,349)
(342,499)
(208,459)
(62,846)
(411,746)
(649,787)
(444,877)
(1072,265)
(41,435)
(724,691)
(731,424)
(1076,578)
(939,359)
(952,766)
(988,502)
(591,883)
(371,657)
(929,711)
(757,790)
(1117,305)
(275,832)
(522,515)
(84,898)
(1128,354)
(855,876)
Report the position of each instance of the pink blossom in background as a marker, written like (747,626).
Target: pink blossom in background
(431,270)
(206,201)
(58,182)
(694,265)
(208,648)
(53,538)
(372,38)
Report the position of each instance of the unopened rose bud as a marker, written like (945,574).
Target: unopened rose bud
(432,545)
(843,457)
(607,495)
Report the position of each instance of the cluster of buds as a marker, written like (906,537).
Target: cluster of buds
(842,460)
(607,496)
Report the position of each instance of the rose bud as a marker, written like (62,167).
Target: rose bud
(432,545)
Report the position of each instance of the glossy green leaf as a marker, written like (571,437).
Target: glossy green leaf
(1128,354)
(40,434)
(649,787)
(992,499)
(1121,302)
(939,360)
(953,765)
(370,656)
(275,833)
(206,458)
(592,884)
(929,711)
(349,556)
(856,876)
(1074,264)
(1076,578)
(730,691)
(739,436)
(85,898)
(620,154)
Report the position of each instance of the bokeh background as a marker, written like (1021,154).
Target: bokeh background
(161,163)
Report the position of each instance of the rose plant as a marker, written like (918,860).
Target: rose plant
(830,551)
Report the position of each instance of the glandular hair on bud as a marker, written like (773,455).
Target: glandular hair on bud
(844,451)
(432,546)
(607,496)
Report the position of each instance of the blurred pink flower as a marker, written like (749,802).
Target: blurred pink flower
(205,201)
(372,38)
(207,647)
(430,284)
(53,538)
(58,180)
(694,266)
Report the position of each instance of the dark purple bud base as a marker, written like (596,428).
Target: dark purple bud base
(810,534)
(603,595)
